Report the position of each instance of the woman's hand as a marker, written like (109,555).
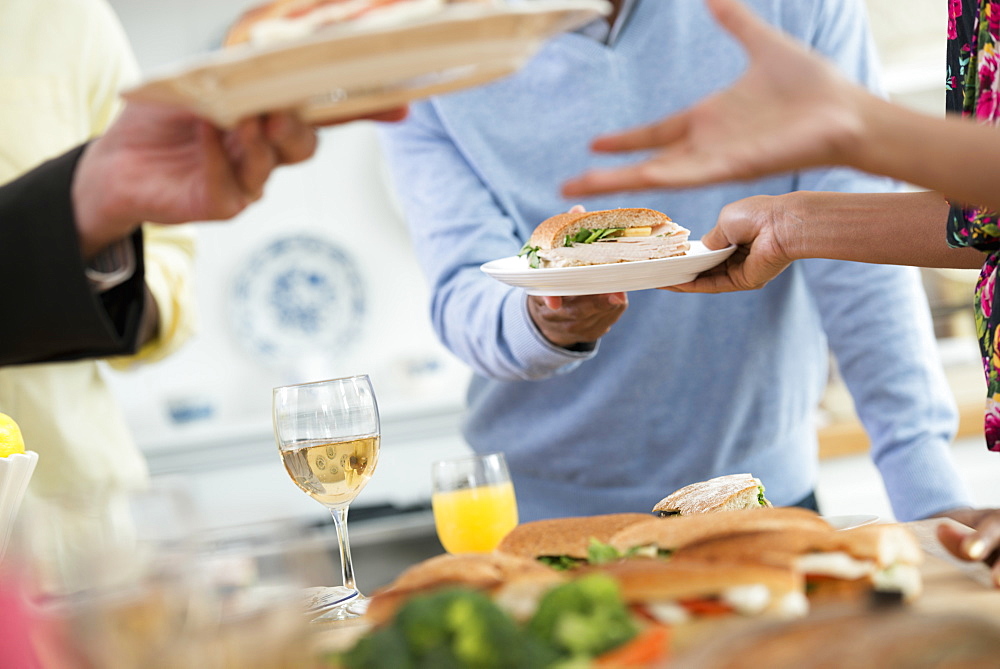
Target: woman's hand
(982,543)
(758,227)
(791,109)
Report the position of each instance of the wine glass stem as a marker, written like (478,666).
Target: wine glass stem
(340,522)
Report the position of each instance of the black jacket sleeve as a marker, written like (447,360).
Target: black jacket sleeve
(48,310)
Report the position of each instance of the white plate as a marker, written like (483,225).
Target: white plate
(347,70)
(849,522)
(599,279)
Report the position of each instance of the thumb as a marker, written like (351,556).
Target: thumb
(715,239)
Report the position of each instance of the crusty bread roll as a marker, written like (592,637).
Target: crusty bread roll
(565,536)
(879,557)
(508,578)
(552,232)
(883,545)
(722,493)
(554,245)
(674,532)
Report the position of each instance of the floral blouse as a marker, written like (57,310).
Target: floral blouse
(974,90)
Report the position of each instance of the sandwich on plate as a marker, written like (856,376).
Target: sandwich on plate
(723,493)
(283,20)
(667,535)
(605,237)
(848,564)
(564,543)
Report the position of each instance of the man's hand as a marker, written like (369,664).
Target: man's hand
(758,226)
(567,321)
(166,165)
(982,543)
(790,110)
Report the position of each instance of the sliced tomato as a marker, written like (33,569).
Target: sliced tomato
(651,644)
(706,607)
(642,613)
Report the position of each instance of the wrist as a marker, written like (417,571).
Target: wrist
(98,207)
(791,214)
(863,148)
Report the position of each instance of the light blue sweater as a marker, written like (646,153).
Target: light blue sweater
(684,387)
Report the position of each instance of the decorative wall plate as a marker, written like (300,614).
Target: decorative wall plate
(299,296)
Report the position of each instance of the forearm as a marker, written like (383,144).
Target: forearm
(884,228)
(879,327)
(954,156)
(488,327)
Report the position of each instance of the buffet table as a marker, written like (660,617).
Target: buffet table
(950,587)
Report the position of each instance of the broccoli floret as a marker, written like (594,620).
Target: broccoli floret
(383,648)
(583,618)
(450,628)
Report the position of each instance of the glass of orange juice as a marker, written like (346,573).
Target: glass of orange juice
(473,501)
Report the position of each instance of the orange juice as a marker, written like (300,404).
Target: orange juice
(474,520)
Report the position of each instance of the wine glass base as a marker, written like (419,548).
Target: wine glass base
(322,599)
(346,609)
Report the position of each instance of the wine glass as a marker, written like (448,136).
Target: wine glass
(473,501)
(328,437)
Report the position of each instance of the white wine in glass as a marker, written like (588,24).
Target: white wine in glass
(328,437)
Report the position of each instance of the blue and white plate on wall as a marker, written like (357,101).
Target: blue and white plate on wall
(298,297)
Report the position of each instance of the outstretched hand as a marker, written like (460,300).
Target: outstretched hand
(791,109)
(167,165)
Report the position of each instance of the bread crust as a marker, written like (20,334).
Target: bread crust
(566,536)
(706,496)
(883,545)
(675,532)
(652,580)
(552,232)
(480,571)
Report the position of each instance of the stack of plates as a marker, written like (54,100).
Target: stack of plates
(599,279)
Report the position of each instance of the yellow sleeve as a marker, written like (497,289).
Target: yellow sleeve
(169,257)
(169,250)
(112,67)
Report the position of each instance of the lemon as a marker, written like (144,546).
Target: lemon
(11,440)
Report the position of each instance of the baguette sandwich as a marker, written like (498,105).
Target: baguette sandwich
(566,542)
(283,20)
(836,565)
(676,593)
(722,493)
(670,534)
(515,583)
(604,237)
